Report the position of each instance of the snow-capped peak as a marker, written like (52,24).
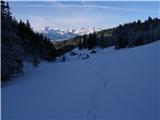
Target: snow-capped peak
(86,30)
(61,34)
(81,31)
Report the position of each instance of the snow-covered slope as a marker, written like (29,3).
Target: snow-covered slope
(63,34)
(111,84)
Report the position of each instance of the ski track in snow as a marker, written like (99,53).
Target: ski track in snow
(92,113)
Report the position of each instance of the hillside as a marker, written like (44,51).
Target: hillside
(113,84)
(75,41)
(131,34)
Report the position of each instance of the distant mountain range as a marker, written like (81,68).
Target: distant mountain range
(64,34)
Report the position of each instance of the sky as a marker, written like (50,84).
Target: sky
(78,14)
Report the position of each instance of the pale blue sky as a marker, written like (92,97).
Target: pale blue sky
(78,14)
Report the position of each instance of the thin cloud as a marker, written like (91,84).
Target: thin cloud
(60,5)
(72,15)
(109,7)
(39,22)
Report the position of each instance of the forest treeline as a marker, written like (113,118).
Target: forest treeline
(20,43)
(137,33)
(128,35)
